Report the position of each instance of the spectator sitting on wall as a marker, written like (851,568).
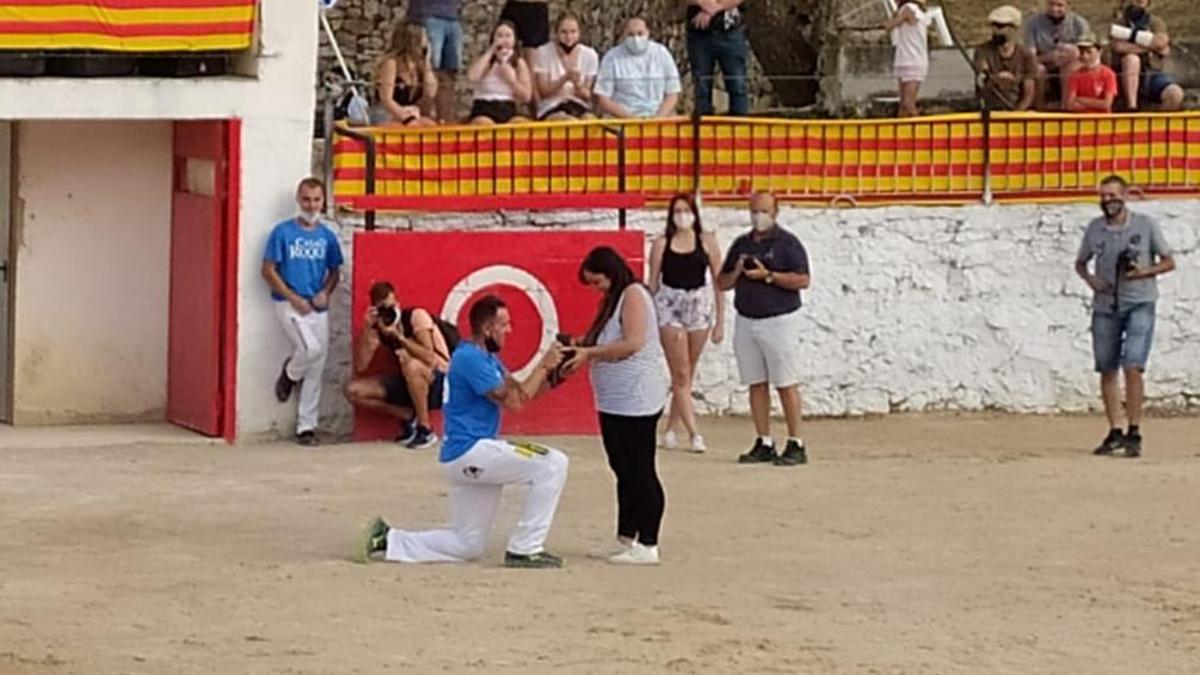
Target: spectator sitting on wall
(564,72)
(638,78)
(1053,38)
(423,354)
(405,78)
(302,266)
(910,35)
(1007,68)
(444,33)
(716,35)
(1092,88)
(1140,53)
(501,78)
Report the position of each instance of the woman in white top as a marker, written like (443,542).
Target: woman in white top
(501,78)
(564,71)
(910,34)
(684,261)
(630,388)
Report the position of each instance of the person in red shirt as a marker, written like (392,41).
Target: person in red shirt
(1093,87)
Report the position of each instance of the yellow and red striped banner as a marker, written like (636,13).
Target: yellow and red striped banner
(937,159)
(127,25)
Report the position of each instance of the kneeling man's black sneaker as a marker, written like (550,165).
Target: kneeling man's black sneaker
(761,453)
(793,454)
(1115,440)
(1133,445)
(539,560)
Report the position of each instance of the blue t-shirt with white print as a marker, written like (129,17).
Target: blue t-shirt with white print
(303,256)
(470,416)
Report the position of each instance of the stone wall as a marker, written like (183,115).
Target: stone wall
(363,27)
(922,309)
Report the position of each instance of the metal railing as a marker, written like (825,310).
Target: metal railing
(938,159)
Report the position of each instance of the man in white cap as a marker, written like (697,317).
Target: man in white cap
(1008,68)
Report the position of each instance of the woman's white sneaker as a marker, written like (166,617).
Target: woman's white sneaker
(698,444)
(669,441)
(610,550)
(636,555)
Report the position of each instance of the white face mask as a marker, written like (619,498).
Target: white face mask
(762,221)
(637,44)
(310,217)
(684,220)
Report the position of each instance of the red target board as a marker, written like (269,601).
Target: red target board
(535,273)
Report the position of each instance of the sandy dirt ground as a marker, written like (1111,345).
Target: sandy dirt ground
(926,544)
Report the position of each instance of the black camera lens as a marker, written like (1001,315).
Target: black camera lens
(387,314)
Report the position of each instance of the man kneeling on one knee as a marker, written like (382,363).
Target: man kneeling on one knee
(477,463)
(423,354)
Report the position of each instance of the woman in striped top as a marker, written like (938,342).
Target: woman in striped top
(630,384)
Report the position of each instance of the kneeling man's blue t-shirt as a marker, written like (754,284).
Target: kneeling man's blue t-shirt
(470,415)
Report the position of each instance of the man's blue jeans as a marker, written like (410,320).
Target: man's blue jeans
(729,50)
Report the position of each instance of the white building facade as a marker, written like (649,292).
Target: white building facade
(133,213)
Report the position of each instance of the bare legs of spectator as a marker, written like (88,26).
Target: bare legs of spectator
(368,393)
(1172,98)
(419,378)
(683,352)
(790,398)
(908,98)
(1110,388)
(1065,61)
(1131,76)
(444,101)
(760,409)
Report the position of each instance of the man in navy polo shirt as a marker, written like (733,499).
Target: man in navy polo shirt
(766,268)
(302,265)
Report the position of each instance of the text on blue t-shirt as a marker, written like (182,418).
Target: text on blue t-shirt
(302,256)
(470,415)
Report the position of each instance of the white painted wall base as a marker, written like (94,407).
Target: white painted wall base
(919,309)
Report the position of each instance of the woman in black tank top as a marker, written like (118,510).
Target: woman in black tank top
(689,305)
(405,78)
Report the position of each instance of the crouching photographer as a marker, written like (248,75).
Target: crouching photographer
(422,345)
(1129,252)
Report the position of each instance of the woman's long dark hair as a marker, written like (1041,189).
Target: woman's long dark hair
(516,55)
(672,228)
(605,261)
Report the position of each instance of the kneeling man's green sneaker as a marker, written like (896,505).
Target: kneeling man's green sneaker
(372,540)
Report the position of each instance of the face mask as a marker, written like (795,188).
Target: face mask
(504,55)
(1134,14)
(762,221)
(1058,19)
(1112,207)
(568,48)
(309,216)
(491,345)
(999,39)
(684,221)
(637,44)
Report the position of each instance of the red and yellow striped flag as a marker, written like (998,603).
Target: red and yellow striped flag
(127,25)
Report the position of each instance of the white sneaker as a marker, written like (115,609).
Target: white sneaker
(698,444)
(609,550)
(636,555)
(669,441)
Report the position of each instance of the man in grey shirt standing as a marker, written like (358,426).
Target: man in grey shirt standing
(1129,252)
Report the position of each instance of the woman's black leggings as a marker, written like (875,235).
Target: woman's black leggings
(631,443)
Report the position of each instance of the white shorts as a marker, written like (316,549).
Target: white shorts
(768,350)
(690,310)
(911,73)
